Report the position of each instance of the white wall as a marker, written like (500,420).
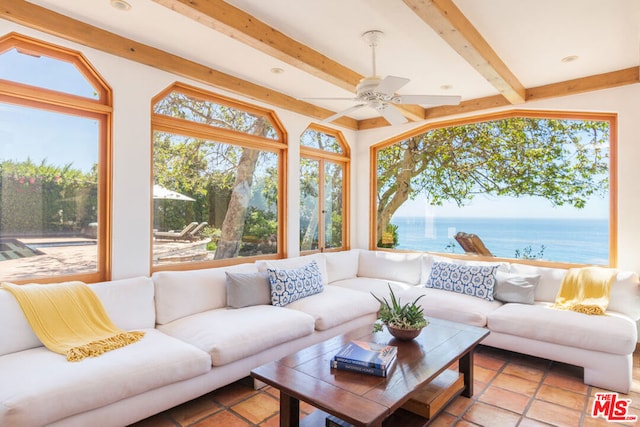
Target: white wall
(134,85)
(625,101)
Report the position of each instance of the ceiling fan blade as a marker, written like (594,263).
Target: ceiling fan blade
(427,99)
(390,84)
(343,113)
(392,115)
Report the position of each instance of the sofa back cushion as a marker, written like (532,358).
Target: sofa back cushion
(342,265)
(625,294)
(296,262)
(398,266)
(549,283)
(128,302)
(183,293)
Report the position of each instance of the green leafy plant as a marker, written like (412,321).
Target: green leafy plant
(407,316)
(527,253)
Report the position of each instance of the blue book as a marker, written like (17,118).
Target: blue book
(362,369)
(367,354)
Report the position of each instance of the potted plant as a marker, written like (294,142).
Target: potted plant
(403,321)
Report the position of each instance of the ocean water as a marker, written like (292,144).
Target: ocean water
(565,240)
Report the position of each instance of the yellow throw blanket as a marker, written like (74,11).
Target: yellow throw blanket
(586,290)
(70,319)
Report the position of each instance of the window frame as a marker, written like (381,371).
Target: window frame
(611,118)
(100,109)
(343,159)
(173,125)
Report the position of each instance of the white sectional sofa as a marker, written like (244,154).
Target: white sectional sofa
(195,342)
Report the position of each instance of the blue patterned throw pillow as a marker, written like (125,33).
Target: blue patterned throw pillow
(474,280)
(288,286)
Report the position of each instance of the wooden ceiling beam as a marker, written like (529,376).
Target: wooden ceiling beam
(239,25)
(45,20)
(450,24)
(585,84)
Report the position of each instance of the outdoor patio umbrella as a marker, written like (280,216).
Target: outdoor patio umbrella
(161,193)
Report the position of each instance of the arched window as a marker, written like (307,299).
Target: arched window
(218,174)
(324,190)
(55,163)
(533,185)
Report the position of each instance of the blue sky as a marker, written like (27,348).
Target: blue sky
(59,139)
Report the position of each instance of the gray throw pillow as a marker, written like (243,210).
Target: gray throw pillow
(515,287)
(245,289)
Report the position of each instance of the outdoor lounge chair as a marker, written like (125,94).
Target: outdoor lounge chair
(178,235)
(194,234)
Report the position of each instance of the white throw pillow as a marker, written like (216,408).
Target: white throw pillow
(515,287)
(246,289)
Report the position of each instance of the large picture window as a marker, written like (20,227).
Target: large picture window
(538,186)
(54,164)
(324,172)
(218,180)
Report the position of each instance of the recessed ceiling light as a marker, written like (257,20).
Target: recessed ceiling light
(277,70)
(120,5)
(446,87)
(570,58)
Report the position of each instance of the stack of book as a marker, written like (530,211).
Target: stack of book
(366,357)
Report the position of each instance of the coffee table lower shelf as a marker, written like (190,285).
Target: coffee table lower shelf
(419,410)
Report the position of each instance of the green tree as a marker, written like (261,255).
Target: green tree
(563,161)
(213,173)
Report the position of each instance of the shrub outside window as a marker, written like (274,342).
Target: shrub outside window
(218,180)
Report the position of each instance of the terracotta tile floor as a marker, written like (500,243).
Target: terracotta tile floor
(510,390)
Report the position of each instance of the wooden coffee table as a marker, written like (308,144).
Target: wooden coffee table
(366,400)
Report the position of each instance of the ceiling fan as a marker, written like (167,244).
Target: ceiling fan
(379,94)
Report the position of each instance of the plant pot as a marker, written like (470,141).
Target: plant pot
(403,334)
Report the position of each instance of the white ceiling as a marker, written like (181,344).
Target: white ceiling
(530,36)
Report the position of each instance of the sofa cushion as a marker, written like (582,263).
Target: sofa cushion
(229,334)
(611,333)
(452,306)
(474,280)
(245,289)
(397,266)
(549,283)
(128,302)
(515,287)
(378,287)
(625,295)
(291,285)
(183,293)
(342,265)
(15,330)
(427,261)
(39,386)
(335,306)
(290,263)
